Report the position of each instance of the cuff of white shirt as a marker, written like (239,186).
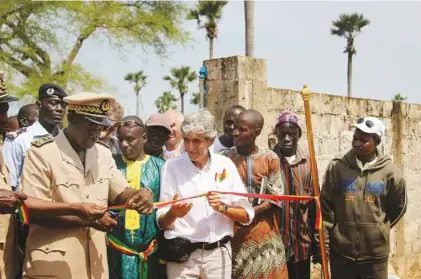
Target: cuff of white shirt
(159,213)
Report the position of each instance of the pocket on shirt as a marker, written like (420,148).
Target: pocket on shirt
(68,188)
(101,186)
(68,181)
(45,261)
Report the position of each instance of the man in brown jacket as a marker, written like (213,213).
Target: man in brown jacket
(363,196)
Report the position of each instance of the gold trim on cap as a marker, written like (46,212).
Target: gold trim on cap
(91,110)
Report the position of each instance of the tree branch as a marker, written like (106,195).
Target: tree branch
(45,65)
(18,65)
(23,52)
(77,46)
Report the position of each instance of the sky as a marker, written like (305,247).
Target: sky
(294,38)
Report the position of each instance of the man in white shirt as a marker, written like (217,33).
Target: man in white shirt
(174,146)
(52,109)
(210,225)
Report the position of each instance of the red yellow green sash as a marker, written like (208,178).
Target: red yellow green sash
(23,214)
(119,246)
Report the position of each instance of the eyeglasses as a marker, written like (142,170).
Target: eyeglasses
(127,123)
(368,122)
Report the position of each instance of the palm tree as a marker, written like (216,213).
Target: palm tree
(165,102)
(399,98)
(249,20)
(349,26)
(180,79)
(195,100)
(139,80)
(212,12)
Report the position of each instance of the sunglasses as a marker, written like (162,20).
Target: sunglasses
(368,122)
(127,123)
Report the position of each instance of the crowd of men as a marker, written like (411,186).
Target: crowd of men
(92,191)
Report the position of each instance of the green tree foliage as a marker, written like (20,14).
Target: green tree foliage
(40,40)
(210,12)
(348,26)
(180,79)
(139,80)
(195,100)
(165,102)
(399,98)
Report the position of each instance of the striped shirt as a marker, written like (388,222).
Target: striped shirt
(298,219)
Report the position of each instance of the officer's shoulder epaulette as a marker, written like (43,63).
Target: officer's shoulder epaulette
(103,144)
(41,141)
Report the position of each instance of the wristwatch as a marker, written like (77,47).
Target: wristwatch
(224,209)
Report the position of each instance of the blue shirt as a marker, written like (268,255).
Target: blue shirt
(14,155)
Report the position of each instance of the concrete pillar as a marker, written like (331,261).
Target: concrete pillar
(236,80)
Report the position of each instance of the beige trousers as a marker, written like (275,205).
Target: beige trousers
(214,264)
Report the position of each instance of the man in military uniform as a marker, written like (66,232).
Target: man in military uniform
(73,167)
(10,200)
(52,109)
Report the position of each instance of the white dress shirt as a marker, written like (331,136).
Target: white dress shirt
(14,156)
(201,223)
(217,146)
(166,154)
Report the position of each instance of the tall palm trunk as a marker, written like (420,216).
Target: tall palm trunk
(349,73)
(182,102)
(211,48)
(249,18)
(137,103)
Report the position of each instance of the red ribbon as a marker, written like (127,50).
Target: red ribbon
(260,196)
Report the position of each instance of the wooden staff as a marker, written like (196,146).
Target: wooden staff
(306,95)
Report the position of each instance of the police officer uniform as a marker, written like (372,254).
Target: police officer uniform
(8,251)
(15,150)
(53,171)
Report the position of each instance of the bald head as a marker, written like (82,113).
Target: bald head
(12,124)
(253,117)
(247,128)
(175,118)
(230,117)
(27,115)
(133,118)
(236,109)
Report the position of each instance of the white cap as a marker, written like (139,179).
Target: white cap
(370,125)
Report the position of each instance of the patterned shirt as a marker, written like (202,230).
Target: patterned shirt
(136,230)
(298,218)
(260,242)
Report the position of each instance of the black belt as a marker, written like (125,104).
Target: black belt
(210,246)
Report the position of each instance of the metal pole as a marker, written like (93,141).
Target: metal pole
(306,95)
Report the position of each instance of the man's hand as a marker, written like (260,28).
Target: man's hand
(142,202)
(180,209)
(91,211)
(215,202)
(105,224)
(10,200)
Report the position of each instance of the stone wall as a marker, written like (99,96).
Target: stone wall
(241,80)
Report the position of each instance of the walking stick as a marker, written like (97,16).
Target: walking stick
(306,95)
